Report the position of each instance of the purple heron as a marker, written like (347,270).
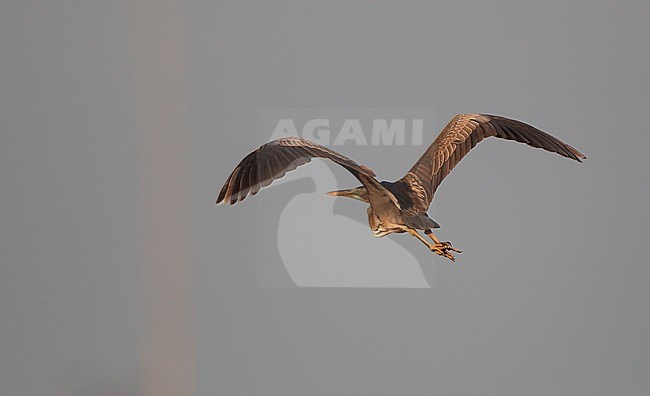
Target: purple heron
(400,206)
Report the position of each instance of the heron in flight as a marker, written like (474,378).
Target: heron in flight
(400,206)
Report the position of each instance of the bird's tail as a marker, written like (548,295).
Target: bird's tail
(420,222)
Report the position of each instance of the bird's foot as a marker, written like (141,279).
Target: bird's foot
(447,246)
(444,249)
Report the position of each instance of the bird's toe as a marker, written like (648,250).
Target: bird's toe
(448,246)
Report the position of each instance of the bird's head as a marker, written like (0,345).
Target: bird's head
(360,193)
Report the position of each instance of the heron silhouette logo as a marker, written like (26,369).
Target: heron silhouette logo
(308,239)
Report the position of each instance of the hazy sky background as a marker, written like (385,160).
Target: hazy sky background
(549,297)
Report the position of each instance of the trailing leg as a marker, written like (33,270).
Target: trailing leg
(443,245)
(438,248)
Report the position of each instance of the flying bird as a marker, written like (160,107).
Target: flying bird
(400,206)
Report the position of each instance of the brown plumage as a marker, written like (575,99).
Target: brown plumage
(273,160)
(395,207)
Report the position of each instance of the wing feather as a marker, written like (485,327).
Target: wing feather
(463,133)
(274,159)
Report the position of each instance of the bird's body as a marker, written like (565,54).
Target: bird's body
(400,206)
(390,218)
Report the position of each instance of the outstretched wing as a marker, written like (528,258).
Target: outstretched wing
(462,133)
(274,159)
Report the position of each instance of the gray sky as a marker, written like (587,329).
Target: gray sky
(549,297)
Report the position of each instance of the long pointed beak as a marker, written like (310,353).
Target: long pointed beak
(341,193)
